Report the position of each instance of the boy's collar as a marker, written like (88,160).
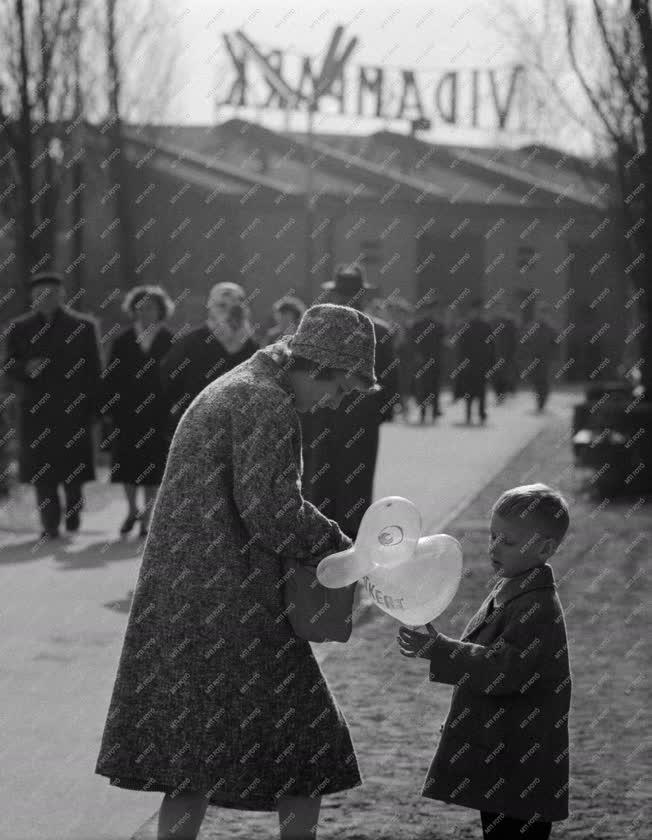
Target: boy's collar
(540,577)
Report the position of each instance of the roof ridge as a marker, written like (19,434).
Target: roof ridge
(208,162)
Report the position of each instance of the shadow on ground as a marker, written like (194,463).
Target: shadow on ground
(67,556)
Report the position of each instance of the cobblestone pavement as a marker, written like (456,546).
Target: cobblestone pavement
(394,712)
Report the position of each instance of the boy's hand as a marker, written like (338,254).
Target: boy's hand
(412,643)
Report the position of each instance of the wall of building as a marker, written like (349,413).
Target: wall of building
(187,237)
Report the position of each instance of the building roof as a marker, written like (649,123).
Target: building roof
(237,154)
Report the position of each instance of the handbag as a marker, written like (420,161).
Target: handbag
(316,613)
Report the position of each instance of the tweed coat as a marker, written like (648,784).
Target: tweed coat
(214,691)
(504,744)
(57,406)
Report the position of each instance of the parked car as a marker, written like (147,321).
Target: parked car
(612,437)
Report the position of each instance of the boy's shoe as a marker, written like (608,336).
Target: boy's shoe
(50,534)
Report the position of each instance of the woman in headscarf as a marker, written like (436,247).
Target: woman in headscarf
(134,402)
(202,355)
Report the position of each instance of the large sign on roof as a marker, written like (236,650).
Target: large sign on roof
(475,98)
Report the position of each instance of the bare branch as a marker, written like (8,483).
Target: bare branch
(641,13)
(626,84)
(569,13)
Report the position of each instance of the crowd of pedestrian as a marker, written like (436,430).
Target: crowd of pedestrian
(55,367)
(255,454)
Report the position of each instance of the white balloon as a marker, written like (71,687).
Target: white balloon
(411,578)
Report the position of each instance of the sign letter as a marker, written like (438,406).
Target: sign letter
(375,85)
(449,116)
(503,113)
(410,85)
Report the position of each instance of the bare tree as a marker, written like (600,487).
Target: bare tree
(52,90)
(33,98)
(136,47)
(592,67)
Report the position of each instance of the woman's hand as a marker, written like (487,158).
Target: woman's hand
(414,644)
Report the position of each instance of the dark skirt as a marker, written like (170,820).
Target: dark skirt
(138,456)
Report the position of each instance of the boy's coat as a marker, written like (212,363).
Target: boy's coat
(504,744)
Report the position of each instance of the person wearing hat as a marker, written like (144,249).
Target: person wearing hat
(55,363)
(216,699)
(199,357)
(341,448)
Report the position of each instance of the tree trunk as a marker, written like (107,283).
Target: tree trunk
(24,154)
(78,167)
(641,11)
(119,166)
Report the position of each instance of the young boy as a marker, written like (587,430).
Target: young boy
(504,744)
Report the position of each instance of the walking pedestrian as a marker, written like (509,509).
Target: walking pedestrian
(475,360)
(135,403)
(55,363)
(427,341)
(216,699)
(541,350)
(6,434)
(505,337)
(341,448)
(209,351)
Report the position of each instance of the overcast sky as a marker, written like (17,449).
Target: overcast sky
(429,37)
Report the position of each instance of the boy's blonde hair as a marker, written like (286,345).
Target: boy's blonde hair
(536,504)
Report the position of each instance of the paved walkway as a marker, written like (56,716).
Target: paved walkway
(394,712)
(66,609)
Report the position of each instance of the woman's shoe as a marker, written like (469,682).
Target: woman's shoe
(129,522)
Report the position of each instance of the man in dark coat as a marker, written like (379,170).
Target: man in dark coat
(540,352)
(55,361)
(505,338)
(427,337)
(195,360)
(341,447)
(475,360)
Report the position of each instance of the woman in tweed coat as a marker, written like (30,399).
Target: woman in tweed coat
(216,700)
